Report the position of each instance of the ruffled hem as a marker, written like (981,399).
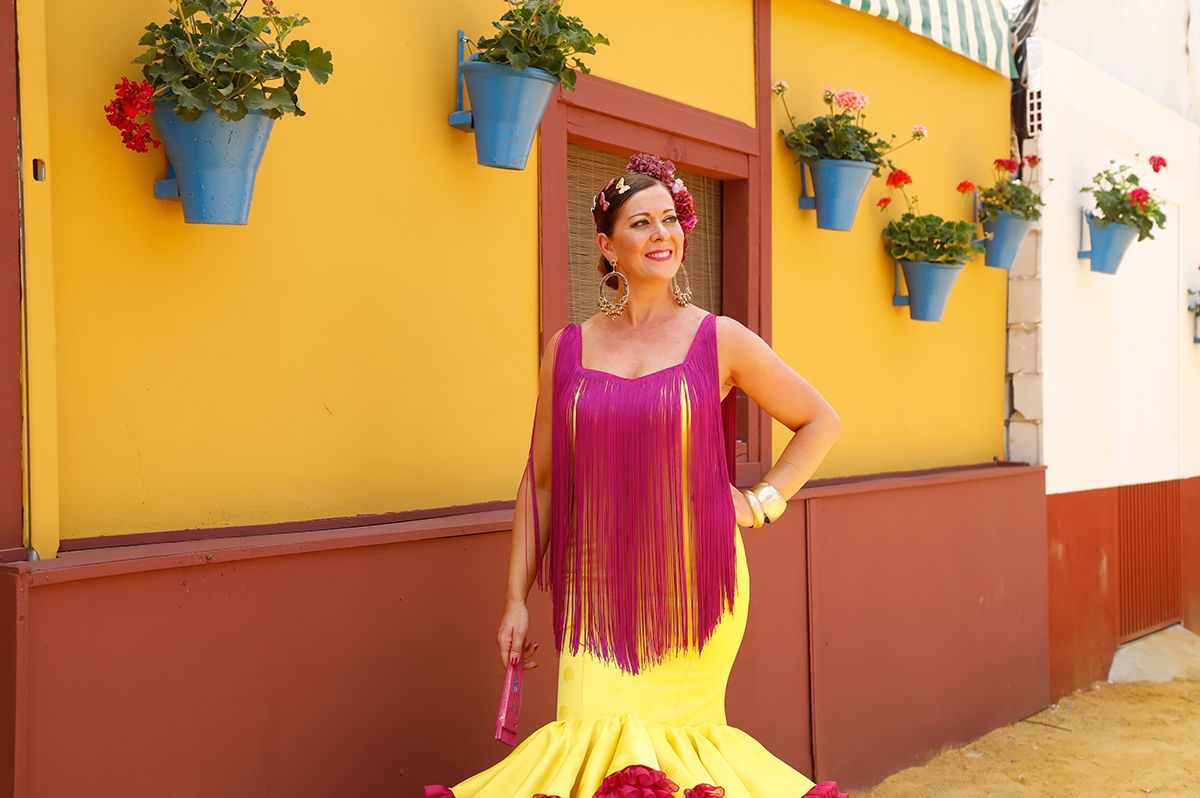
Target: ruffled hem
(570,758)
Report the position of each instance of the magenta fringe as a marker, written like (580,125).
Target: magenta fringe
(637,569)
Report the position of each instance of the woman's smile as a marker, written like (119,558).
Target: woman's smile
(660,255)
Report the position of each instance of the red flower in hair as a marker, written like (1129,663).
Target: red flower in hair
(132,101)
(704,791)
(637,781)
(899,178)
(965,187)
(1007,164)
(1157,162)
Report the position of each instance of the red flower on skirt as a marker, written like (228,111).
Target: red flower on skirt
(637,781)
(826,789)
(704,791)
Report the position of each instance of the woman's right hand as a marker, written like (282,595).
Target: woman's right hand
(514,626)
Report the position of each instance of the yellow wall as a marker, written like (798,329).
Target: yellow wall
(368,343)
(911,394)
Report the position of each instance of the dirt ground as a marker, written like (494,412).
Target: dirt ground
(1132,739)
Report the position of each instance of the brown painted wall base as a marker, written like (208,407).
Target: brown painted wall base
(1082,547)
(928,614)
(361,662)
(1189,499)
(1084,541)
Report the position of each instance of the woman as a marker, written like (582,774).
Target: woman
(642,550)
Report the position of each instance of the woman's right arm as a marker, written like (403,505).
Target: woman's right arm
(524,555)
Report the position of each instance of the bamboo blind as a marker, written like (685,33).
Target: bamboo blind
(588,171)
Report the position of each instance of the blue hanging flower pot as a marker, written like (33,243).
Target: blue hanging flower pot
(506,109)
(212,163)
(929,287)
(1109,242)
(1007,232)
(838,188)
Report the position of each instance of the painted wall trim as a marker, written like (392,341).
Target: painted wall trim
(12,411)
(37,257)
(101,562)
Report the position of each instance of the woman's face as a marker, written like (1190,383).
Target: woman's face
(646,238)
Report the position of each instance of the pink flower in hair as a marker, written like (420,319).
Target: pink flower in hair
(678,186)
(647,164)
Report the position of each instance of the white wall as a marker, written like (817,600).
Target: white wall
(1145,43)
(1121,377)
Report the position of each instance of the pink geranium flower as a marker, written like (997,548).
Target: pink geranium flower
(849,100)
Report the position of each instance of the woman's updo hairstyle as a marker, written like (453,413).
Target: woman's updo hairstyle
(642,172)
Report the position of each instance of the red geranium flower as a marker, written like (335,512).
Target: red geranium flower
(1157,162)
(883,203)
(1139,198)
(132,101)
(826,789)
(965,187)
(898,178)
(1032,160)
(1007,164)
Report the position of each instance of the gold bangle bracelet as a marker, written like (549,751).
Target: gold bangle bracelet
(771,500)
(756,507)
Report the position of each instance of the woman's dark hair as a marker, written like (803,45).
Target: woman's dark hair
(604,219)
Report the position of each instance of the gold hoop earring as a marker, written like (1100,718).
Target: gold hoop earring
(613,308)
(685,296)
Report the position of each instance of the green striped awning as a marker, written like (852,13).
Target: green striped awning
(977,29)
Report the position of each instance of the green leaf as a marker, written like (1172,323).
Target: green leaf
(256,99)
(244,61)
(320,64)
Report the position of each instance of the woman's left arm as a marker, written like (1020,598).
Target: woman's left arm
(752,366)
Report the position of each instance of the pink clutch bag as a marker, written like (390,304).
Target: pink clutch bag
(510,704)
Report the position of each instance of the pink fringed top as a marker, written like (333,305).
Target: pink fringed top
(641,556)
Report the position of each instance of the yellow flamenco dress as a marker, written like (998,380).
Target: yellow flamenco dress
(669,715)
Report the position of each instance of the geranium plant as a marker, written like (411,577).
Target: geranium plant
(917,236)
(535,33)
(1008,193)
(840,134)
(211,54)
(1121,199)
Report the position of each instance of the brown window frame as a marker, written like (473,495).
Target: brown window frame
(611,117)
